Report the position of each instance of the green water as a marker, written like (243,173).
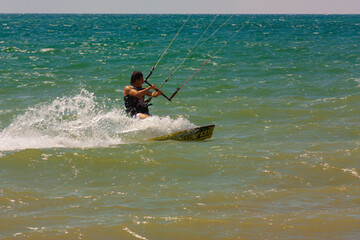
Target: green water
(283,162)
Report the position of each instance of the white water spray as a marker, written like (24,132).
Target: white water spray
(81,122)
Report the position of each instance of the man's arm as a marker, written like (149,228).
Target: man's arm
(135,93)
(154,94)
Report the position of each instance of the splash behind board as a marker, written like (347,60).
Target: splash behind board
(194,134)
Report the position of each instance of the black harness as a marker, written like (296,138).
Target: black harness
(135,105)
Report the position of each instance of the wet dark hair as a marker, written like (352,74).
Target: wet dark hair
(136,76)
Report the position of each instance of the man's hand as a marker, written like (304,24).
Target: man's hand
(156,89)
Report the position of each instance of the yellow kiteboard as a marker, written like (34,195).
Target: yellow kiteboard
(194,134)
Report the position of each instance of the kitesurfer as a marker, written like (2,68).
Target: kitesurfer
(134,96)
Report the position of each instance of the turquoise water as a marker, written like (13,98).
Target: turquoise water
(283,162)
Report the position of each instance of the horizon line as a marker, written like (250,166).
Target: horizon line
(104,13)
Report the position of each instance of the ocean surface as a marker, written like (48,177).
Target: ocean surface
(283,162)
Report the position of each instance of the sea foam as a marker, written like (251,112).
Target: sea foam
(80,121)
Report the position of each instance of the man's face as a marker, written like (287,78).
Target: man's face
(140,81)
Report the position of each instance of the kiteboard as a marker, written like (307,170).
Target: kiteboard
(194,134)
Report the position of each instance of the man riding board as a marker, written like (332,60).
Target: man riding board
(134,96)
